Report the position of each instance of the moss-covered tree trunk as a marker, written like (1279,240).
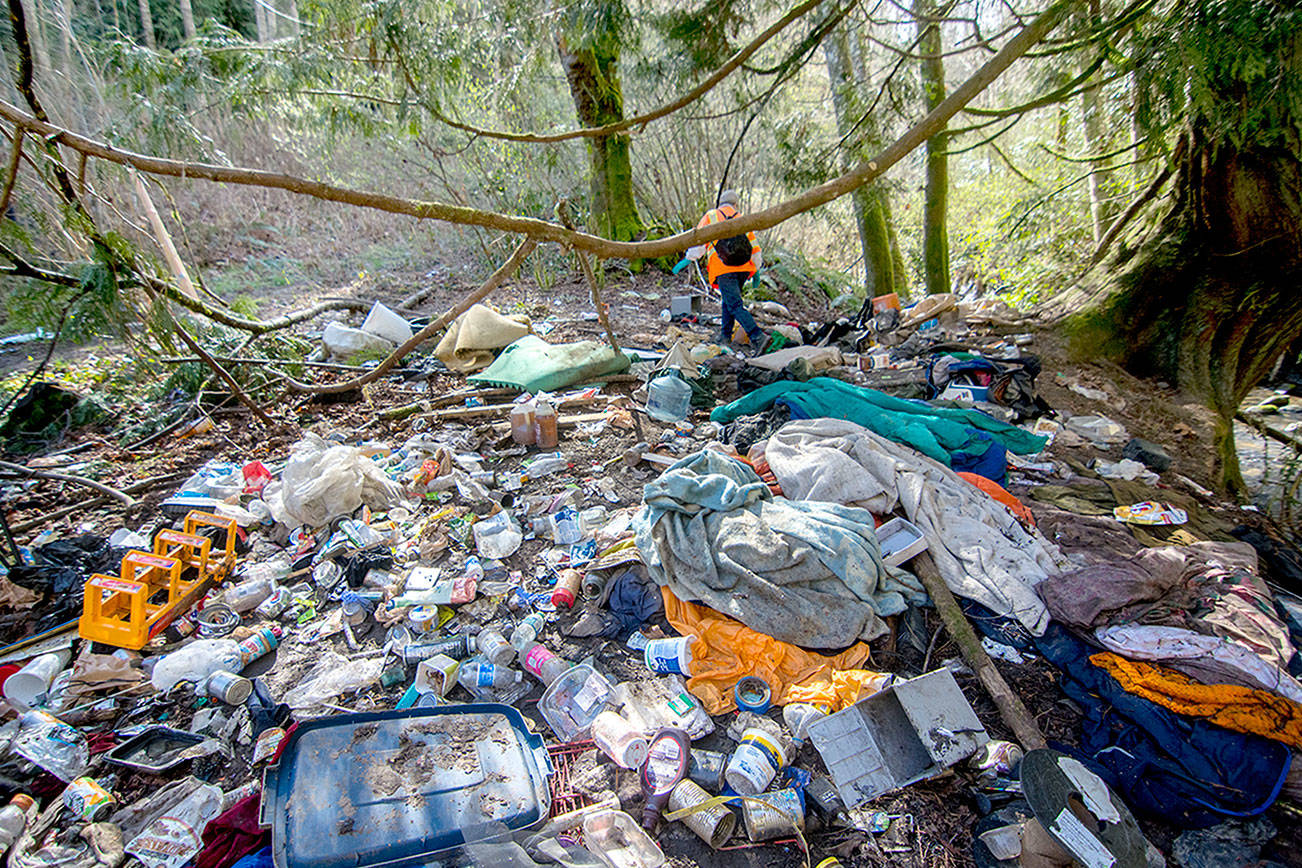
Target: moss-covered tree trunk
(593,77)
(935,225)
(871,203)
(1214,297)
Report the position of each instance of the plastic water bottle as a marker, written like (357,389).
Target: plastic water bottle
(494,647)
(527,631)
(13,819)
(474,568)
(477,676)
(543,664)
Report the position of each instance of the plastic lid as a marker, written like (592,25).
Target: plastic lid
(23,801)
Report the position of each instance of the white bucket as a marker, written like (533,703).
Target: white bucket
(386,324)
(755,762)
(26,686)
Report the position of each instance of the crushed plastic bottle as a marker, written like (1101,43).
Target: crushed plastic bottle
(526,633)
(476,675)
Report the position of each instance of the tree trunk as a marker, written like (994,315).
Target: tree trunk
(1096,142)
(187,19)
(1211,300)
(36,34)
(292,18)
(935,231)
(147,24)
(871,202)
(599,100)
(260,21)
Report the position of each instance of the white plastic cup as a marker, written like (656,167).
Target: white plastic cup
(30,683)
(671,656)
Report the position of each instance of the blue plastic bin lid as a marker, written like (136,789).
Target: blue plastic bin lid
(398,787)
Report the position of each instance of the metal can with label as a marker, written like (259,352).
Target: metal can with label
(88,800)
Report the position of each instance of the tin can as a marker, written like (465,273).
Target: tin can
(88,800)
(712,825)
(771,815)
(230,688)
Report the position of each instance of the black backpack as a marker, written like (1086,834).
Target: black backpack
(734,250)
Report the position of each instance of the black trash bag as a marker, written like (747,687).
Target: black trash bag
(60,573)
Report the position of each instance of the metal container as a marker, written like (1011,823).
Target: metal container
(230,688)
(713,825)
(772,815)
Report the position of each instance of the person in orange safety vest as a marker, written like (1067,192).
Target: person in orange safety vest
(729,267)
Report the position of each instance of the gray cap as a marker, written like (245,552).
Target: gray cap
(729,197)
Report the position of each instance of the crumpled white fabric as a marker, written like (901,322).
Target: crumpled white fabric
(980,549)
(324,480)
(1208,659)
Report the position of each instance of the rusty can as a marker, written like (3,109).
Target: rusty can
(773,814)
(713,825)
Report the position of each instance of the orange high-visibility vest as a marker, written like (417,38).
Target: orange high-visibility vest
(715,266)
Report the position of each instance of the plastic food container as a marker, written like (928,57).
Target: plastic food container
(620,842)
(755,762)
(670,656)
(574,700)
(900,539)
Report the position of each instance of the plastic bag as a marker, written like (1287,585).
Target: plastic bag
(333,675)
(175,837)
(324,481)
(51,744)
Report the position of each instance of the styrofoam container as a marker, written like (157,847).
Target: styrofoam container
(900,539)
(386,324)
(28,685)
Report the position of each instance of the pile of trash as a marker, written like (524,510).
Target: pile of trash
(689,619)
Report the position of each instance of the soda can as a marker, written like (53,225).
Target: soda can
(88,800)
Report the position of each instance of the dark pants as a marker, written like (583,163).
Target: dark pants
(735,309)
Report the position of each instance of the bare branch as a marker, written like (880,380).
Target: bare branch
(11,171)
(32,473)
(541,230)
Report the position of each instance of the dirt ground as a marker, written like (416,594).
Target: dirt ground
(943,810)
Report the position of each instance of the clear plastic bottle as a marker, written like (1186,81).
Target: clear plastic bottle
(527,631)
(13,819)
(476,675)
(249,594)
(545,425)
(619,740)
(200,659)
(798,716)
(543,664)
(493,645)
(522,424)
(474,568)
(546,465)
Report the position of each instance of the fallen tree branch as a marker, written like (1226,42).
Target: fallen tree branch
(254,326)
(1010,706)
(224,375)
(135,488)
(35,473)
(1266,431)
(563,212)
(542,230)
(496,279)
(1129,214)
(164,238)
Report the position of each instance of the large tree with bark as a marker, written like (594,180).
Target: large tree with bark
(1212,297)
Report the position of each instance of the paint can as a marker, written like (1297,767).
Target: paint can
(755,762)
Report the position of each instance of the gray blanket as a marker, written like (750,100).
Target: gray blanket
(806,573)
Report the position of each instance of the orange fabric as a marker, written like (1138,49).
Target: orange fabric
(714,266)
(1242,709)
(843,689)
(999,493)
(727,650)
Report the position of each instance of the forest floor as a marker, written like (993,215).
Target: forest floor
(943,810)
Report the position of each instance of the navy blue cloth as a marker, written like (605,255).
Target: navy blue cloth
(1188,772)
(258,859)
(735,309)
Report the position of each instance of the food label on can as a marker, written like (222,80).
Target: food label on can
(86,798)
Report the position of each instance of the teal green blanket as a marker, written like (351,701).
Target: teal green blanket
(936,432)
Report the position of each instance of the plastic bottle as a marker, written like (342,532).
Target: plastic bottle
(546,465)
(494,647)
(526,633)
(474,568)
(541,663)
(522,424)
(564,527)
(247,595)
(475,675)
(668,399)
(567,588)
(13,819)
(619,740)
(546,434)
(196,662)
(666,764)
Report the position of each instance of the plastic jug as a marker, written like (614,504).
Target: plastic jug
(668,399)
(522,424)
(545,426)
